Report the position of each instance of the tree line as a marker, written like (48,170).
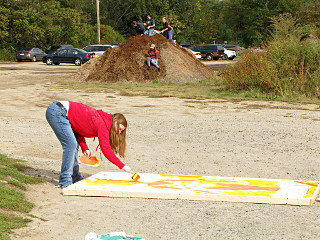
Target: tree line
(245,22)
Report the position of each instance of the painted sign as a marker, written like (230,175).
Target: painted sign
(166,186)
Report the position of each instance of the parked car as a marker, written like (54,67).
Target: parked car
(229,54)
(76,56)
(30,54)
(209,52)
(98,49)
(53,48)
(196,54)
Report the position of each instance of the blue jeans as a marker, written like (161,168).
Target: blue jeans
(57,118)
(169,36)
(153,61)
(150,32)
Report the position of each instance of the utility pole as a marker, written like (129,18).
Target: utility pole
(98,21)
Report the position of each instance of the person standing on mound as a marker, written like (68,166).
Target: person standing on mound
(153,57)
(72,122)
(167,30)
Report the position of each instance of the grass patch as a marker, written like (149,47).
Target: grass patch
(8,222)
(12,181)
(207,89)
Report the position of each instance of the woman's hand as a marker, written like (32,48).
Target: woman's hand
(87,152)
(127,169)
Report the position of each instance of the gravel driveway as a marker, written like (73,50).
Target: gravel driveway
(165,135)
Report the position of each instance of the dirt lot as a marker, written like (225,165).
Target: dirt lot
(165,135)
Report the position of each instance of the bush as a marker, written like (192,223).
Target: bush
(109,35)
(288,67)
(7,55)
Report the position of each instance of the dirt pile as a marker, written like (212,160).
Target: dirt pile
(127,63)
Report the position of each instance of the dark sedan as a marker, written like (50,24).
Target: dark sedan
(75,56)
(30,54)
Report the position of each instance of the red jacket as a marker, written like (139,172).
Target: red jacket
(89,122)
(153,54)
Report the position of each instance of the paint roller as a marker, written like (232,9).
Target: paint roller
(135,176)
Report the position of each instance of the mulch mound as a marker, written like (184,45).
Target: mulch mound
(127,63)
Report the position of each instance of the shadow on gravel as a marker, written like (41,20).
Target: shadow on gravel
(48,175)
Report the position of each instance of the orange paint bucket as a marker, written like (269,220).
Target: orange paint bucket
(89,161)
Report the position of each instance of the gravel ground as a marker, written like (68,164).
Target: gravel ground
(165,135)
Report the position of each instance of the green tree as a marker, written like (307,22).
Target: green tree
(249,20)
(4,22)
(246,22)
(309,13)
(42,23)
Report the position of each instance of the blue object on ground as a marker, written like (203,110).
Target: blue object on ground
(111,236)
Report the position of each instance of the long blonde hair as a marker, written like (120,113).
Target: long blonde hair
(118,141)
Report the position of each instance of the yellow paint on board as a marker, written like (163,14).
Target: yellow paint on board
(312,189)
(206,185)
(168,186)
(104,182)
(209,185)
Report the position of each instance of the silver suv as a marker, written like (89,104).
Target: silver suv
(98,49)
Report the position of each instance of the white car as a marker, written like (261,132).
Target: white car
(229,54)
(98,49)
(196,54)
